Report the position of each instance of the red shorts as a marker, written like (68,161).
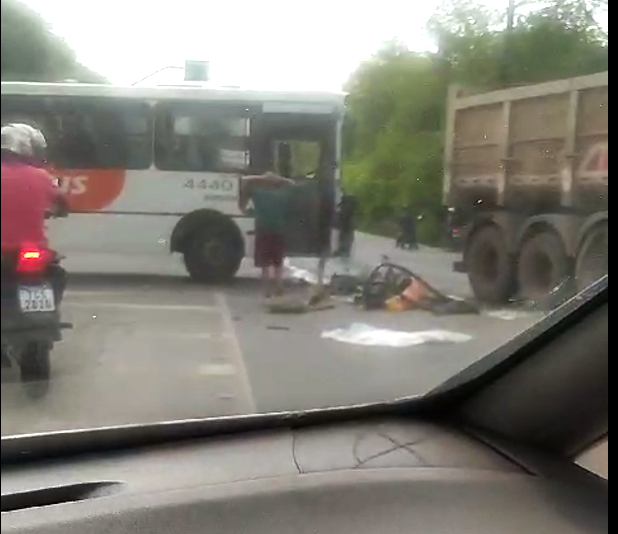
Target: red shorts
(269,249)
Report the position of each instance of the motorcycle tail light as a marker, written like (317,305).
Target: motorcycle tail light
(33,260)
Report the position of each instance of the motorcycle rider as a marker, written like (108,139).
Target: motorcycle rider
(29,194)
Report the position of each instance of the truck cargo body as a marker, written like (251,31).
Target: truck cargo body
(528,167)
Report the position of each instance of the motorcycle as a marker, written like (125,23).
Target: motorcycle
(32,289)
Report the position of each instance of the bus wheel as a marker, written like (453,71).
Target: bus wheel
(593,258)
(214,251)
(544,269)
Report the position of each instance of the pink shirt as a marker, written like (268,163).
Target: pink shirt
(27,194)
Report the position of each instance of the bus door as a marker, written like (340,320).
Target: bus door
(305,148)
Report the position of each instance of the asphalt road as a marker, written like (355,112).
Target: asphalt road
(150,346)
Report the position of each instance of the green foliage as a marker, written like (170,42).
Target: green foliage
(31,52)
(305,158)
(395,129)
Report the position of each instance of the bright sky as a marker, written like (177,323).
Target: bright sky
(253,43)
(268,44)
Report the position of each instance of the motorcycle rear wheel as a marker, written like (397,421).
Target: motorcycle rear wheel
(35,368)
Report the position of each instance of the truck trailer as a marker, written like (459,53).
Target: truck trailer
(528,169)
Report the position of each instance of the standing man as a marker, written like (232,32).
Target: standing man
(269,194)
(408,235)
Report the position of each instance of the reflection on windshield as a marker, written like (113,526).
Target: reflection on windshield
(214,250)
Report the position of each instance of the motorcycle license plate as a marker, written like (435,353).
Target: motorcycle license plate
(36,299)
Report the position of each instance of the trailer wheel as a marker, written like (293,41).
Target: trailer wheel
(593,257)
(490,266)
(214,250)
(35,368)
(544,268)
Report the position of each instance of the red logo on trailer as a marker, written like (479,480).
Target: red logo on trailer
(595,164)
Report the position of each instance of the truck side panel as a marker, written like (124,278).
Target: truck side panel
(538,149)
(591,182)
(527,169)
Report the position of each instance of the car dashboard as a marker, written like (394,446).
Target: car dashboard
(375,477)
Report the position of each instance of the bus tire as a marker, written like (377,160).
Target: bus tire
(214,251)
(544,268)
(490,266)
(593,257)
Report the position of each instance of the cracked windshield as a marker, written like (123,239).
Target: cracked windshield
(226,209)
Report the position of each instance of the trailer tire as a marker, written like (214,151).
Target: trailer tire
(544,269)
(593,257)
(214,250)
(490,266)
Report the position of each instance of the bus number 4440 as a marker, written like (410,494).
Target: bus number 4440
(221,186)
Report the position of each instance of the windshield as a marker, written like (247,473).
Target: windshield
(236,219)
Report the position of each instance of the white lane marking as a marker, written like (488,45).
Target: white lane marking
(147,307)
(134,291)
(90,293)
(236,355)
(223,369)
(187,336)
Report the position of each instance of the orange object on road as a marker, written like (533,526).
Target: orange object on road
(397,304)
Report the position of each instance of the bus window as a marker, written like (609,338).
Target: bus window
(88,133)
(303,159)
(29,110)
(103,134)
(197,137)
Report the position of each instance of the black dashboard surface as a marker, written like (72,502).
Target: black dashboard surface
(390,477)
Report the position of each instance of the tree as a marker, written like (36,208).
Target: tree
(394,133)
(32,52)
(549,40)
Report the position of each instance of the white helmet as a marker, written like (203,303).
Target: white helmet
(24,140)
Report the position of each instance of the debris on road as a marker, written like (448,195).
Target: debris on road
(299,305)
(387,287)
(369,336)
(396,288)
(345,285)
(277,328)
(299,274)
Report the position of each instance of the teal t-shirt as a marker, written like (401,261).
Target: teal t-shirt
(271,208)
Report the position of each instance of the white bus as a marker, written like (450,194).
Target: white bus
(157,170)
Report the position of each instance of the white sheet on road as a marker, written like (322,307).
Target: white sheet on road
(305,269)
(369,336)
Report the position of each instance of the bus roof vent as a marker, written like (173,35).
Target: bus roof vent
(197,71)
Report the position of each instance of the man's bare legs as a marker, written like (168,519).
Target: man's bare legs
(278,280)
(272,281)
(266,282)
